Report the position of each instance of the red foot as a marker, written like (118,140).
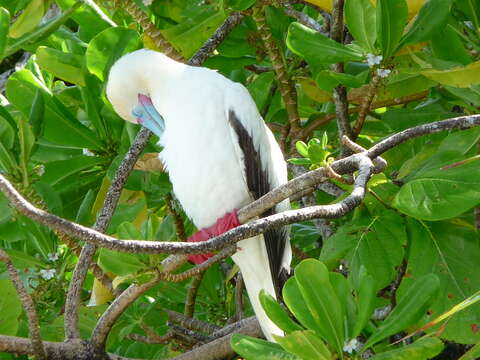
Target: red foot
(229,221)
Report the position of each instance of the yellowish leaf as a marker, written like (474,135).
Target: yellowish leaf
(461,77)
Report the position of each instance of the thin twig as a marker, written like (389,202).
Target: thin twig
(28,306)
(151,30)
(320,121)
(177,218)
(304,19)
(365,105)
(191,323)
(287,89)
(239,287)
(192,295)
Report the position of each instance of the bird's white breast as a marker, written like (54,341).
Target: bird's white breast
(198,151)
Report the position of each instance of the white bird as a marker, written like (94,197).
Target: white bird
(218,151)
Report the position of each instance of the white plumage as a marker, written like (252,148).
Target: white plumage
(204,154)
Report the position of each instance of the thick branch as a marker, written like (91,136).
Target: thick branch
(220,348)
(28,306)
(357,161)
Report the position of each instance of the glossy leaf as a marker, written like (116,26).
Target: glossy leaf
(365,298)
(422,349)
(316,47)
(441,193)
(56,171)
(452,252)
(191,34)
(391,19)
(65,66)
(60,126)
(4,26)
(461,77)
(361,22)
(430,20)
(322,302)
(10,308)
(107,47)
(257,349)
(305,344)
(120,264)
(28,20)
(275,312)
(409,310)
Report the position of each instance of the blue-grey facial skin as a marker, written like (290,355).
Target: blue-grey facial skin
(147,116)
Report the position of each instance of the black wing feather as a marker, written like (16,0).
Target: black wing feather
(258,185)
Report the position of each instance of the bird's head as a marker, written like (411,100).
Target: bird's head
(132,81)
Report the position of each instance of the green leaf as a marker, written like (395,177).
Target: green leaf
(318,48)
(257,349)
(107,47)
(323,304)
(277,314)
(447,45)
(313,91)
(462,76)
(4,26)
(472,354)
(27,140)
(61,126)
(442,193)
(28,20)
(260,88)
(239,5)
(10,308)
(452,253)
(43,31)
(7,162)
(120,264)
(84,211)
(410,309)
(57,171)
(361,21)
(422,349)
(65,66)
(366,297)
(299,161)
(375,243)
(302,148)
(391,19)
(191,34)
(37,111)
(296,304)
(430,20)
(305,344)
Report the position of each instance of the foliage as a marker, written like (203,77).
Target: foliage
(413,244)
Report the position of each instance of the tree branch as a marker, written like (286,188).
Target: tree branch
(220,348)
(192,295)
(340,91)
(287,89)
(28,306)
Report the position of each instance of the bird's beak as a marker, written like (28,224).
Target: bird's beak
(147,115)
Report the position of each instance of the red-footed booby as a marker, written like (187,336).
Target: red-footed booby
(219,153)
